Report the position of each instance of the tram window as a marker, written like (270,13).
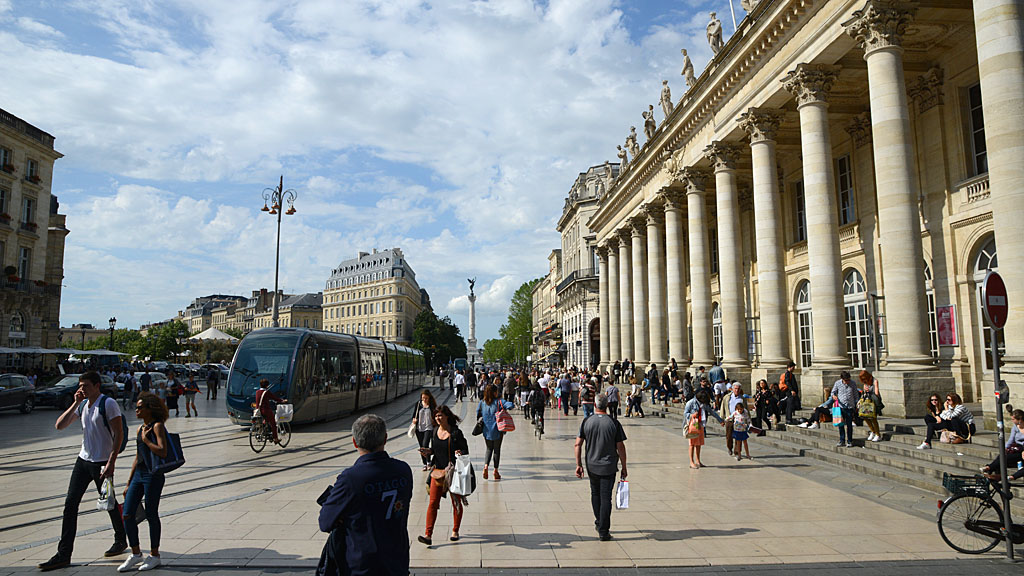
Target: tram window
(348,370)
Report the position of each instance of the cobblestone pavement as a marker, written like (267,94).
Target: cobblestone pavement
(229,511)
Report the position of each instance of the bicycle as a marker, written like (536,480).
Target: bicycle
(971,520)
(260,434)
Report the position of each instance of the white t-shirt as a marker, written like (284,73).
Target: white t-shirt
(97,442)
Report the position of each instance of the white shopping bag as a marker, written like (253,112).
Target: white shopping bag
(107,500)
(464,481)
(622,495)
(285,412)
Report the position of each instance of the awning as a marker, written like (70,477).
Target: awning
(214,334)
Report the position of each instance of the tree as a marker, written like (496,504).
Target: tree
(438,338)
(515,336)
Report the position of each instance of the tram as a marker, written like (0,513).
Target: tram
(324,375)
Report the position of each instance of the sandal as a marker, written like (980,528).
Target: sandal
(485,472)
(496,475)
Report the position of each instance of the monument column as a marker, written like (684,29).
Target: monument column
(626,295)
(602,304)
(656,284)
(471,350)
(614,327)
(641,336)
(811,84)
(879,29)
(675,279)
(730,268)
(999,29)
(700,272)
(761,125)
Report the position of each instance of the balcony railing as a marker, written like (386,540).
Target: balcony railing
(577,276)
(974,189)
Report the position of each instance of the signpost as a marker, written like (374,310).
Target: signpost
(995,306)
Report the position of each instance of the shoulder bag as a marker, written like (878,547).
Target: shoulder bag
(694,427)
(174,459)
(505,422)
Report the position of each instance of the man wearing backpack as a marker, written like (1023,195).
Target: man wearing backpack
(103,436)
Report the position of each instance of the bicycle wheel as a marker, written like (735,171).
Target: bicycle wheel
(284,433)
(257,440)
(962,516)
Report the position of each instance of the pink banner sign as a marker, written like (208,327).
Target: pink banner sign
(945,317)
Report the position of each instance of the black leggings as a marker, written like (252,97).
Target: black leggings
(957,426)
(493,447)
(424,440)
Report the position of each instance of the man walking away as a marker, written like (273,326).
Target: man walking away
(605,447)
(102,434)
(212,381)
(564,392)
(612,392)
(145,380)
(368,507)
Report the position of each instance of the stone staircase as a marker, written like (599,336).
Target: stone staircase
(895,458)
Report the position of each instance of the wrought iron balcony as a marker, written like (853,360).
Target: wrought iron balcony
(576,276)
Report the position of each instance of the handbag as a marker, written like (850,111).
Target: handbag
(174,459)
(694,427)
(411,432)
(837,415)
(478,429)
(107,500)
(505,422)
(866,408)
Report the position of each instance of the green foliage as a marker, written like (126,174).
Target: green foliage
(438,338)
(515,336)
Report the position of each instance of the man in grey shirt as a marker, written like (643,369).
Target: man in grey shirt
(605,447)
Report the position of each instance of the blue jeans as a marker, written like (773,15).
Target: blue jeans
(588,410)
(149,485)
(846,428)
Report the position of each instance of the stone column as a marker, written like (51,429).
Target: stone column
(626,295)
(811,84)
(602,305)
(656,284)
(730,246)
(999,28)
(675,279)
(879,28)
(700,271)
(614,323)
(761,124)
(641,335)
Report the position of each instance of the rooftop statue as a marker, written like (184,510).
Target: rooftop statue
(608,171)
(623,160)
(649,124)
(749,5)
(634,148)
(666,99)
(688,70)
(715,34)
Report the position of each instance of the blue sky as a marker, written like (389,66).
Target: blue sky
(450,129)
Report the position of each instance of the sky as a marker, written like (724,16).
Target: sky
(453,130)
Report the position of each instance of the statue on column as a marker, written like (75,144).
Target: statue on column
(688,70)
(649,124)
(666,98)
(715,34)
(623,160)
(634,148)
(472,283)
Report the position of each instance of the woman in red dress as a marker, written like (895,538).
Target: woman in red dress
(263,398)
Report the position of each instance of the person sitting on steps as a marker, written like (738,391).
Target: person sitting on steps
(954,417)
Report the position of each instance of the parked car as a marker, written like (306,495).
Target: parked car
(180,370)
(62,393)
(16,391)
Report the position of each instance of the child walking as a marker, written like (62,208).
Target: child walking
(740,425)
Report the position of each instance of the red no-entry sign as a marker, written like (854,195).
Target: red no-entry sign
(993,299)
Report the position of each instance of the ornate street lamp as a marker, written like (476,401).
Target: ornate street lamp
(276,197)
(113,322)
(181,338)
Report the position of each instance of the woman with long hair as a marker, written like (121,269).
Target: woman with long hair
(487,409)
(446,443)
(143,483)
(423,420)
(872,393)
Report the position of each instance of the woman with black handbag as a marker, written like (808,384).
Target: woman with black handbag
(423,422)
(446,443)
(142,482)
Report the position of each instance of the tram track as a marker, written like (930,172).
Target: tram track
(192,490)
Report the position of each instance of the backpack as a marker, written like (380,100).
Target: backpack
(782,382)
(103,414)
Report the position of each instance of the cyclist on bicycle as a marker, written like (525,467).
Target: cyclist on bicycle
(263,398)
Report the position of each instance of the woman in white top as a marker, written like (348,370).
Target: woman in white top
(955,417)
(423,420)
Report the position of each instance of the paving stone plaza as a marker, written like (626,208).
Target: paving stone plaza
(229,510)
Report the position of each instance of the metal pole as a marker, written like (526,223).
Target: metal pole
(732,10)
(277,255)
(1001,429)
(875,348)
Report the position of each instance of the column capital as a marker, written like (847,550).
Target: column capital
(880,24)
(811,83)
(654,213)
(673,199)
(761,124)
(927,90)
(722,155)
(859,129)
(602,252)
(694,178)
(638,225)
(625,236)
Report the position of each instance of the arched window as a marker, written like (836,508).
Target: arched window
(716,330)
(986,260)
(805,326)
(858,322)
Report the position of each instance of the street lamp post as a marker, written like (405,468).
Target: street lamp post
(276,197)
(181,338)
(113,322)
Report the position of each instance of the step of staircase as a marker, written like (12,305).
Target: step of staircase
(895,458)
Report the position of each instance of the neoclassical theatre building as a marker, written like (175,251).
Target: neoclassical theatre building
(831,189)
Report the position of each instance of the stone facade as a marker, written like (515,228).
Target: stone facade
(374,294)
(547,330)
(577,292)
(31,239)
(832,189)
(199,314)
(298,311)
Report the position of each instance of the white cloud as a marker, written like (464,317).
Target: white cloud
(34,26)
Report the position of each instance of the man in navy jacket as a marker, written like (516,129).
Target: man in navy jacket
(369,506)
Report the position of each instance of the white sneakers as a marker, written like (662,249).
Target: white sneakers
(805,424)
(813,426)
(924,446)
(137,560)
(872,437)
(150,563)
